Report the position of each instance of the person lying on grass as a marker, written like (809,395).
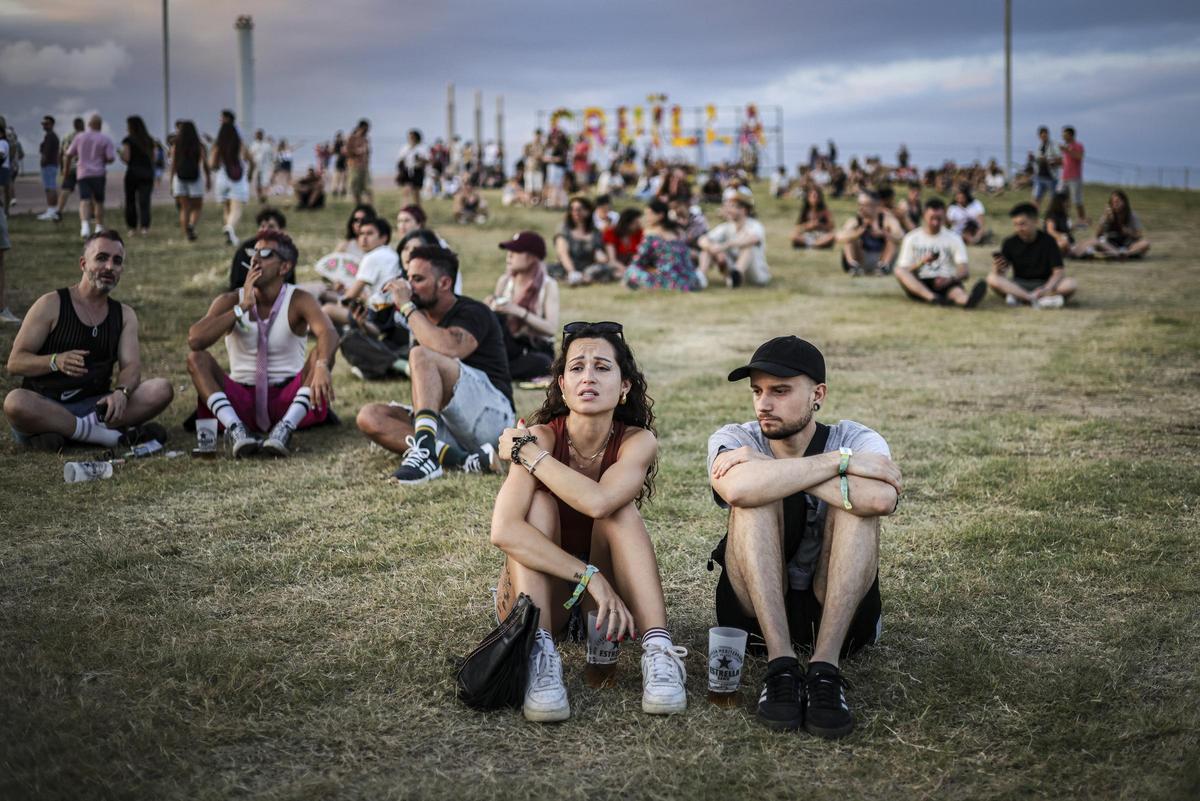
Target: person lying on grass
(800,559)
(568,523)
(66,349)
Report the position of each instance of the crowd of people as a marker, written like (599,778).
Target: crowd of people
(804,500)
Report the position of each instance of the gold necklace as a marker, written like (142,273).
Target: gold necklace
(594,456)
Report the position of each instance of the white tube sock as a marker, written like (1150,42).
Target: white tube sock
(219,405)
(89,429)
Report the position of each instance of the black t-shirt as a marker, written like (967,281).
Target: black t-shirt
(141,162)
(239,268)
(49,149)
(490,355)
(1033,261)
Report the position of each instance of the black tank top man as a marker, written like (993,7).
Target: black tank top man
(101,341)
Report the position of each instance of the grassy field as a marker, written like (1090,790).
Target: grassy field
(285,629)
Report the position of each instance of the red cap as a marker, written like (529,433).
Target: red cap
(526,242)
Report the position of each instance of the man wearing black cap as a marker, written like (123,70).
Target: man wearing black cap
(461,387)
(801,556)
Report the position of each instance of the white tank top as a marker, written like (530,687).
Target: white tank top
(285,350)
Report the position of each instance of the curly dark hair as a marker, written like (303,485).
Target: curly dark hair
(637,410)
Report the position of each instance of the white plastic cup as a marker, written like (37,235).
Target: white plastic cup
(726,654)
(75,472)
(206,435)
(599,650)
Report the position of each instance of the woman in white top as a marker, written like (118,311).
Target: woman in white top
(966,217)
(229,159)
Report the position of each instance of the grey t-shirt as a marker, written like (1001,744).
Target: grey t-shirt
(844,433)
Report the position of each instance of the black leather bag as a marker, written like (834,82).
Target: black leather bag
(493,676)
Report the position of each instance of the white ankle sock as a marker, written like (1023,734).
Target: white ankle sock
(298,408)
(219,405)
(89,429)
(656,636)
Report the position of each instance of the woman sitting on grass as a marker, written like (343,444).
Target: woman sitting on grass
(623,238)
(966,217)
(1120,234)
(662,260)
(1057,223)
(814,226)
(580,247)
(567,519)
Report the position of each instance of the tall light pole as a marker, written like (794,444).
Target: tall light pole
(166,75)
(1008,161)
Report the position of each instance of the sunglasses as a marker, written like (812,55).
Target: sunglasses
(359,219)
(604,327)
(262,253)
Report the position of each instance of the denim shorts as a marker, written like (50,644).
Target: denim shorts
(478,413)
(1042,187)
(50,177)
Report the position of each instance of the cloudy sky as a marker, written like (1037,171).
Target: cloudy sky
(868,74)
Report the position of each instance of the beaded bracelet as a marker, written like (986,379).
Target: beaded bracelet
(521,442)
(581,586)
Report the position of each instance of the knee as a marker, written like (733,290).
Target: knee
(367,419)
(159,392)
(16,406)
(993,280)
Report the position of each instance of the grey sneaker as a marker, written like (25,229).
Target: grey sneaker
(482,461)
(240,441)
(276,442)
(546,695)
(6,316)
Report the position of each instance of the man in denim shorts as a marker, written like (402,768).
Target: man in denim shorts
(461,388)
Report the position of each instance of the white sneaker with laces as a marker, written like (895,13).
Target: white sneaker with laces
(1051,302)
(48,214)
(276,442)
(663,678)
(546,695)
(418,465)
(482,461)
(1011,300)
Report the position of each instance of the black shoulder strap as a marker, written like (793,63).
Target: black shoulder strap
(816,445)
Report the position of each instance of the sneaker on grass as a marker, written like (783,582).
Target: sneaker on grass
(1050,302)
(977,293)
(482,461)
(826,713)
(779,703)
(276,442)
(6,316)
(663,679)
(418,465)
(240,441)
(145,432)
(1011,300)
(545,695)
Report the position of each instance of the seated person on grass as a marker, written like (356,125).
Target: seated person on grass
(526,301)
(271,385)
(911,212)
(1120,234)
(738,246)
(378,265)
(814,227)
(66,349)
(932,265)
(461,388)
(1058,225)
(966,217)
(271,220)
(869,238)
(567,517)
(469,205)
(800,559)
(1038,279)
(310,190)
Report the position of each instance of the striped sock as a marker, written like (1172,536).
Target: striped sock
(453,456)
(656,636)
(298,409)
(425,423)
(222,409)
(89,429)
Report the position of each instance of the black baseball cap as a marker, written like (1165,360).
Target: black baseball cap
(785,357)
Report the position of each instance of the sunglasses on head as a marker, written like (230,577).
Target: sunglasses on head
(604,327)
(262,253)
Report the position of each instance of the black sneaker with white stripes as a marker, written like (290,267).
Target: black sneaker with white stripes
(418,465)
(779,704)
(826,713)
(482,460)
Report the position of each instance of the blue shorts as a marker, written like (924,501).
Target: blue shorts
(1042,187)
(80,407)
(50,177)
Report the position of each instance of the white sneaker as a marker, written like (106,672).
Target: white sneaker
(48,214)
(663,678)
(6,316)
(546,695)
(85,230)
(276,443)
(482,461)
(1012,300)
(1051,302)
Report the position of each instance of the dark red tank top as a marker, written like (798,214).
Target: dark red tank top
(575,528)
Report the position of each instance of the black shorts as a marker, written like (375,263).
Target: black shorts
(414,177)
(928,282)
(68,180)
(92,188)
(803,608)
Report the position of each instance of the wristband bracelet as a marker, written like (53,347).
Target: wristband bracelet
(531,466)
(407,309)
(54,362)
(844,464)
(581,586)
(521,442)
(845,481)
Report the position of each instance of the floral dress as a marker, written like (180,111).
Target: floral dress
(662,264)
